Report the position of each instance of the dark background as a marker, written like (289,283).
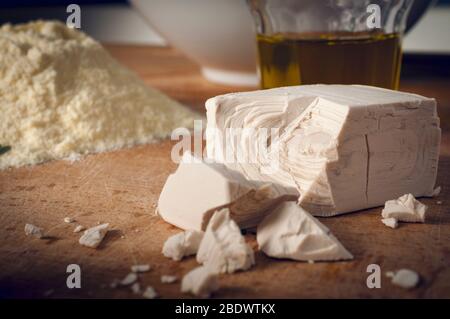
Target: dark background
(416,65)
(20,3)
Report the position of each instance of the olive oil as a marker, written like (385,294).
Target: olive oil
(341,58)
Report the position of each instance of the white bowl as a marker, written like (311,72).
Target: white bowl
(216,34)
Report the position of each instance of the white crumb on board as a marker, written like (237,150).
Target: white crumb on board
(436,191)
(406,278)
(32,230)
(79,228)
(200,282)
(390,222)
(136,288)
(150,293)
(129,279)
(182,244)
(92,237)
(167,279)
(114,283)
(68,220)
(405,209)
(140,268)
(390,274)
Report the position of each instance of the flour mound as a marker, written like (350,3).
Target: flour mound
(62,95)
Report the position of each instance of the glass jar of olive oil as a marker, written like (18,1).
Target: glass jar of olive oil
(329,41)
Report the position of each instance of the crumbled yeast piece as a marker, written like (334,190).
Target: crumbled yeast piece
(405,209)
(390,274)
(200,282)
(136,288)
(188,204)
(32,230)
(406,278)
(182,244)
(114,283)
(167,279)
(79,228)
(291,232)
(140,268)
(223,248)
(390,222)
(150,293)
(68,220)
(129,279)
(92,237)
(436,191)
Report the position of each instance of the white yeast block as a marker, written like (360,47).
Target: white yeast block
(343,147)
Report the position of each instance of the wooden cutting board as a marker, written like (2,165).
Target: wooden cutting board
(122,188)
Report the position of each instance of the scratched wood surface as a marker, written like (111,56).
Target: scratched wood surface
(122,188)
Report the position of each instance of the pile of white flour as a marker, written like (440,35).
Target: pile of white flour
(62,94)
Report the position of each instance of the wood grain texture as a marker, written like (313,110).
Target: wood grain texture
(122,188)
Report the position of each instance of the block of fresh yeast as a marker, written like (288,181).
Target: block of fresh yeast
(343,147)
